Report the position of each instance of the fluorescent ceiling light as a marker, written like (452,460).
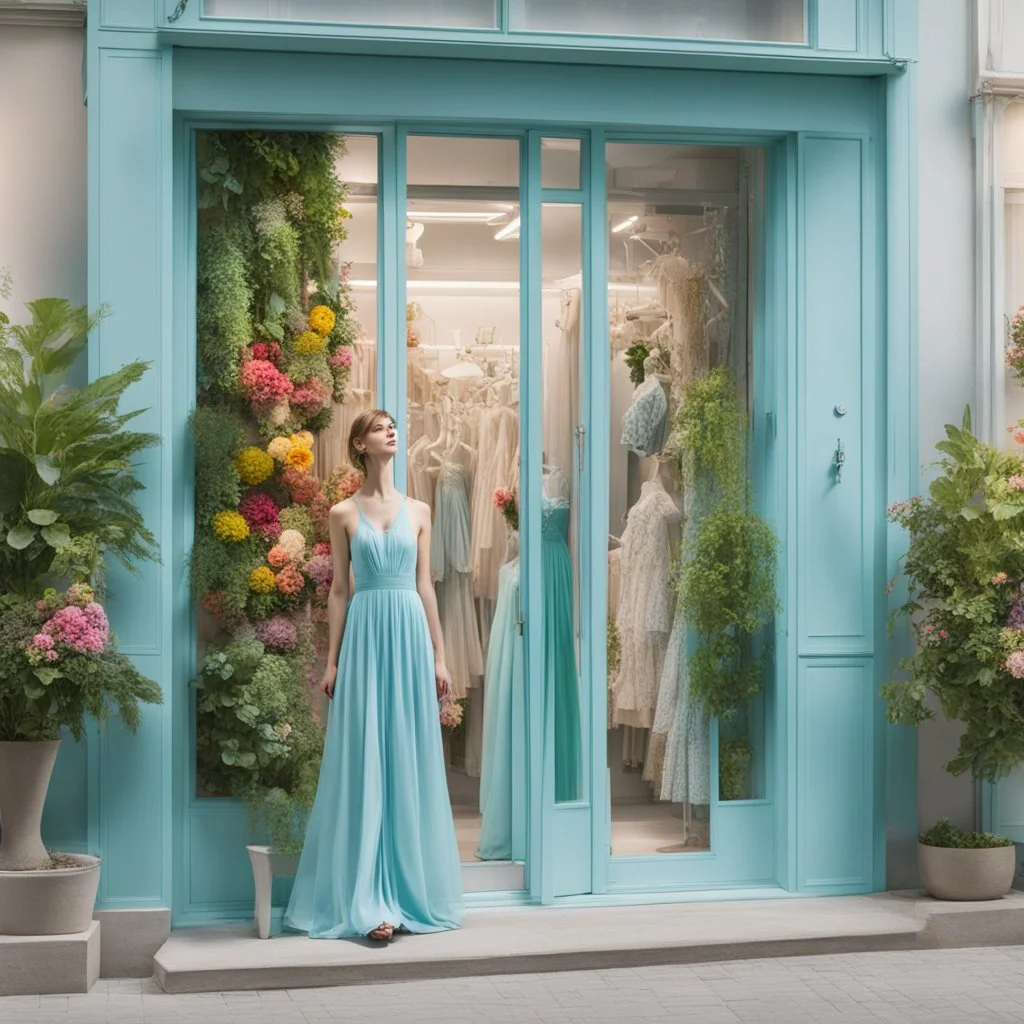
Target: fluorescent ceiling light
(456,216)
(627,223)
(500,286)
(509,230)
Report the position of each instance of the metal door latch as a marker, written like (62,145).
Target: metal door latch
(838,459)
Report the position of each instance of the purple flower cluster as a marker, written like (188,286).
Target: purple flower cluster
(277,634)
(1015,620)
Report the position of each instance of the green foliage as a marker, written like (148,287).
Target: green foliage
(256,737)
(727,580)
(735,755)
(223,568)
(67,475)
(964,569)
(275,269)
(218,433)
(224,293)
(36,702)
(949,837)
(635,356)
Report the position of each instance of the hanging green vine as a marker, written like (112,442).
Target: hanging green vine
(727,580)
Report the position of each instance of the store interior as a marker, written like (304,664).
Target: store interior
(679,292)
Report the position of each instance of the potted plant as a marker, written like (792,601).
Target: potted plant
(964,570)
(66,489)
(959,865)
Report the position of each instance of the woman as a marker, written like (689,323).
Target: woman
(380,851)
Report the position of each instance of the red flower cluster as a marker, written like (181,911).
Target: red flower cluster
(263,383)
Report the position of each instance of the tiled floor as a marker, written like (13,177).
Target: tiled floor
(974,986)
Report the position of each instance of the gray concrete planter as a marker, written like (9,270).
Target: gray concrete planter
(966,875)
(53,901)
(25,770)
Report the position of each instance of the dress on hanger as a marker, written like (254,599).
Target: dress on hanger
(681,729)
(380,844)
(504,705)
(560,671)
(420,482)
(497,443)
(450,569)
(645,425)
(644,619)
(561,385)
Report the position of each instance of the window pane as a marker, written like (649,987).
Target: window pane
(462,387)
(560,163)
(561,310)
(425,13)
(678,296)
(746,20)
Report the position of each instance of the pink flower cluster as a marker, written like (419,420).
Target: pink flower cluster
(270,351)
(1016,482)
(84,630)
(342,357)
(450,714)
(277,633)
(322,548)
(262,514)
(290,581)
(301,486)
(263,383)
(278,557)
(502,496)
(1015,664)
(931,631)
(310,396)
(320,569)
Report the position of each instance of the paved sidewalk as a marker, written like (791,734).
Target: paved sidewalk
(972,986)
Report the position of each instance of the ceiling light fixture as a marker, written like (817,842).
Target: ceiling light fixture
(627,223)
(510,230)
(456,216)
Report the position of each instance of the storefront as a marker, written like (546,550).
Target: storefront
(714,185)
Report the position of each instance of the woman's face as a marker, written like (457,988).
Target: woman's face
(381,440)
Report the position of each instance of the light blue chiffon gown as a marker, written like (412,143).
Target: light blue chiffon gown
(500,833)
(380,845)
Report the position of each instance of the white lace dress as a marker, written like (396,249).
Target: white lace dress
(644,618)
(561,386)
(497,445)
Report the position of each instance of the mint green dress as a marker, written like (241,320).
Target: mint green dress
(380,845)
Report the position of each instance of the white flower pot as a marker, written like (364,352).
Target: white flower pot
(51,901)
(265,865)
(952,874)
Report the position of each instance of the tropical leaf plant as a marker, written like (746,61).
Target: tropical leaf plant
(67,457)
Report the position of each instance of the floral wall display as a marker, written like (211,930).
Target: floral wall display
(274,330)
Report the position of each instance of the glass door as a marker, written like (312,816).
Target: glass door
(462,412)
(686,741)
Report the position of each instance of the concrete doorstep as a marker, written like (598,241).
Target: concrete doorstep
(540,939)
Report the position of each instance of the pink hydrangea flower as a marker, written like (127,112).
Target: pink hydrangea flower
(1016,482)
(1015,664)
(320,569)
(311,396)
(263,383)
(84,630)
(342,357)
(261,513)
(322,548)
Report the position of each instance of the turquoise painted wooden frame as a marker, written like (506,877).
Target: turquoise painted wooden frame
(188,90)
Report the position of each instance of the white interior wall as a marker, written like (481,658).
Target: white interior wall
(42,167)
(946,309)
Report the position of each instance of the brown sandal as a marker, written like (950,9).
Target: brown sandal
(384,932)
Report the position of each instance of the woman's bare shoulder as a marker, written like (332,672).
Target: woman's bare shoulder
(419,510)
(343,509)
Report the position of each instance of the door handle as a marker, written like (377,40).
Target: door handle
(838,458)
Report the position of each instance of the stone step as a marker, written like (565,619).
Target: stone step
(534,939)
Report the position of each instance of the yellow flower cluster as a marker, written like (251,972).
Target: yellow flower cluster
(254,465)
(299,458)
(309,343)
(230,525)
(261,580)
(303,438)
(321,320)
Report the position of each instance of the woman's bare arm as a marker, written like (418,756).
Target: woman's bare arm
(425,587)
(338,597)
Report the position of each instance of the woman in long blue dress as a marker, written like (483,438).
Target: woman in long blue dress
(380,852)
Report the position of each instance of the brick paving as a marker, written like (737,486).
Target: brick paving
(972,986)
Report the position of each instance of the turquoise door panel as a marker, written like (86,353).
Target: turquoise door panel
(66,814)
(220,875)
(836,518)
(838,24)
(834,774)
